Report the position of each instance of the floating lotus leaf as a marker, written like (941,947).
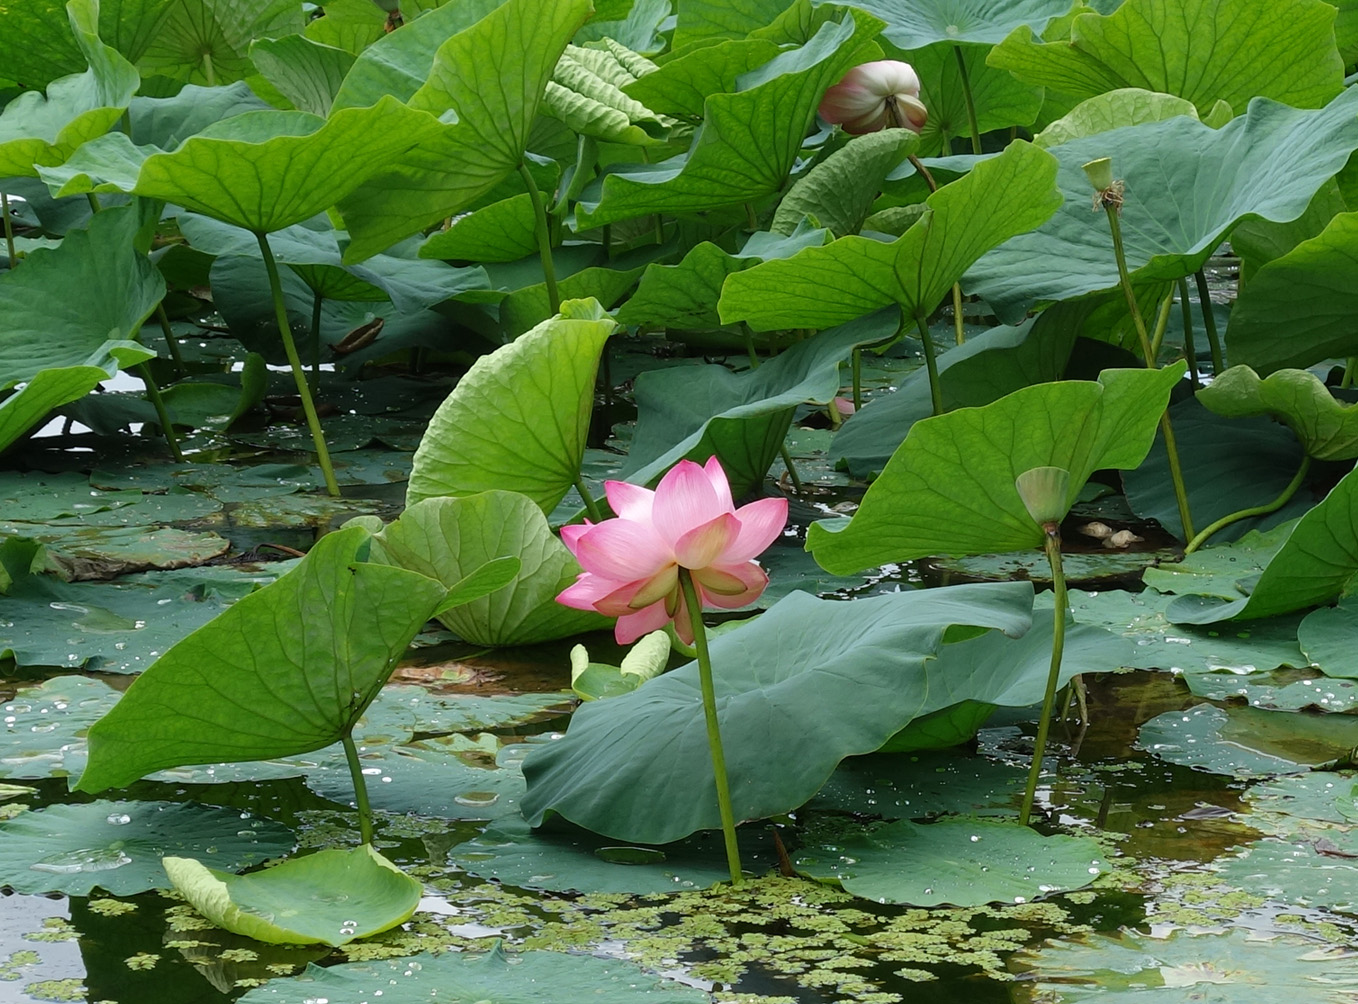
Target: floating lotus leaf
(117,846)
(1329,637)
(296,902)
(921,784)
(1187,186)
(528,977)
(1247,742)
(1314,872)
(1327,428)
(956,861)
(44,724)
(949,489)
(1201,50)
(998,198)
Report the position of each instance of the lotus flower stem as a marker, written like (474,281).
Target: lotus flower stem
(365,812)
(1052,545)
(544,235)
(295,363)
(1190,350)
(1161,323)
(957,286)
(1209,321)
(171,343)
(935,393)
(162,413)
(857,378)
(1112,206)
(971,101)
(591,507)
(1258,510)
(728,819)
(791,468)
(315,338)
(9,231)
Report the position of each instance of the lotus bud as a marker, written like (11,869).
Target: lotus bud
(875,96)
(1043,491)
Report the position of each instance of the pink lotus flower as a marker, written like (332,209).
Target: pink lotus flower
(874,96)
(631,563)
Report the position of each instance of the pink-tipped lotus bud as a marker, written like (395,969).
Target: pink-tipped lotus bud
(875,96)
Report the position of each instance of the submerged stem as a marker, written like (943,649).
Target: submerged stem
(935,392)
(970,99)
(1259,510)
(295,363)
(1209,322)
(365,812)
(171,344)
(1051,543)
(544,234)
(316,334)
(9,230)
(728,819)
(162,413)
(791,468)
(1148,350)
(1190,350)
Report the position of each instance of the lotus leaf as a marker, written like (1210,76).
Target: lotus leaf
(1187,185)
(1328,637)
(517,421)
(208,41)
(1126,106)
(1000,101)
(1248,742)
(1202,50)
(838,193)
(1327,428)
(949,489)
(978,22)
(1000,197)
(307,73)
(683,85)
(874,655)
(962,862)
(295,902)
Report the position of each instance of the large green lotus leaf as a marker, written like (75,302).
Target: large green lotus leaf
(1329,637)
(637,31)
(43,724)
(1234,463)
(1258,242)
(1310,871)
(1187,648)
(741,418)
(494,101)
(949,489)
(529,306)
(40,45)
(1316,562)
(46,130)
(167,122)
(529,977)
(104,552)
(838,193)
(708,21)
(684,296)
(586,94)
(1226,571)
(105,625)
(1297,309)
(518,419)
(1327,428)
(444,537)
(296,902)
(399,62)
(415,709)
(1203,50)
(1248,742)
(562,858)
(823,286)
(1000,100)
(307,73)
(259,170)
(117,846)
(208,41)
(351,25)
(503,231)
(424,783)
(961,862)
(1187,185)
(799,689)
(749,140)
(983,369)
(1277,690)
(51,388)
(1126,106)
(1236,967)
(981,22)
(284,670)
(77,303)
(682,85)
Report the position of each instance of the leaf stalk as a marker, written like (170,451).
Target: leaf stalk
(1259,510)
(1051,544)
(365,812)
(542,227)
